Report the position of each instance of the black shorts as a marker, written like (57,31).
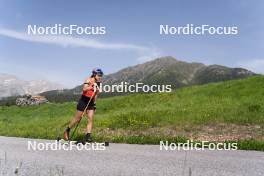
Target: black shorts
(83,102)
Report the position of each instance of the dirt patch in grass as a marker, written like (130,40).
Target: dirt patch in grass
(216,133)
(230,132)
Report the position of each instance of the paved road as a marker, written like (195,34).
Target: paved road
(124,159)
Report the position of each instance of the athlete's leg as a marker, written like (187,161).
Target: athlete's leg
(90,115)
(77,117)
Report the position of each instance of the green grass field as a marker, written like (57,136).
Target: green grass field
(225,111)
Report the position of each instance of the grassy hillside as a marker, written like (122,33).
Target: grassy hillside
(225,111)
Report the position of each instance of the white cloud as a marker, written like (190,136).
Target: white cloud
(144,53)
(67,41)
(255,65)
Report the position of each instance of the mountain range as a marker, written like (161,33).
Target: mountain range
(161,71)
(168,70)
(10,85)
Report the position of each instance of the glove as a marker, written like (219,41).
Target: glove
(98,84)
(95,87)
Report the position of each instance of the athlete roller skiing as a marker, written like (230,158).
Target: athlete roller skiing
(86,104)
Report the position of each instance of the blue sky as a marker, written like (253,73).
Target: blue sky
(132,36)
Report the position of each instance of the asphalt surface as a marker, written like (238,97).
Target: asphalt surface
(124,159)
